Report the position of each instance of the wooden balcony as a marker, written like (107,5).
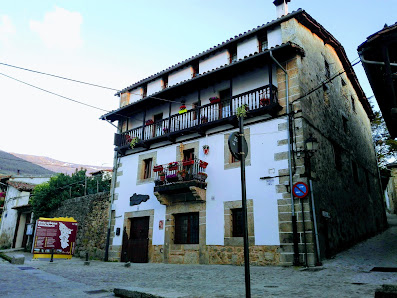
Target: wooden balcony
(182,181)
(259,101)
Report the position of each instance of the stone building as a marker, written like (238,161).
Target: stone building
(177,196)
(391,189)
(17,212)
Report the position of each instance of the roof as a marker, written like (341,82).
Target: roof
(21,186)
(302,17)
(378,53)
(223,45)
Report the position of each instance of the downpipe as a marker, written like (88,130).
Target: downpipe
(294,224)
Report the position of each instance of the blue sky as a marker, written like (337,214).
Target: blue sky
(116,43)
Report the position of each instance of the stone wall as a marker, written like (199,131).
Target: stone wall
(91,213)
(345,186)
(392,191)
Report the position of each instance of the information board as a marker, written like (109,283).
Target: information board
(57,234)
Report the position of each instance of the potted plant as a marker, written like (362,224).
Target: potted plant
(206,149)
(202,176)
(172,177)
(133,142)
(172,166)
(188,162)
(149,122)
(182,173)
(264,101)
(242,111)
(128,138)
(203,164)
(162,176)
(182,109)
(165,130)
(158,168)
(204,119)
(214,99)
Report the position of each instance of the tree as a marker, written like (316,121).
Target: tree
(385,146)
(49,195)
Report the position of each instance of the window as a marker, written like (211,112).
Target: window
(337,157)
(262,40)
(353,105)
(195,70)
(233,54)
(158,125)
(327,70)
(237,222)
(144,91)
(187,228)
(344,121)
(355,172)
(147,168)
(165,82)
(188,154)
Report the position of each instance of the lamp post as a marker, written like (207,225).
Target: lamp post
(311,146)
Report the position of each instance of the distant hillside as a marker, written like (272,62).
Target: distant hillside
(10,164)
(58,166)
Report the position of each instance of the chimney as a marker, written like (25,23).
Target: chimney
(281,7)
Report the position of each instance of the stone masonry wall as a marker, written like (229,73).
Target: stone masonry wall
(91,213)
(349,206)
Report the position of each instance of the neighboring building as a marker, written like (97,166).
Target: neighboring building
(379,58)
(391,189)
(186,113)
(17,212)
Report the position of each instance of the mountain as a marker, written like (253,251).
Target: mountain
(10,164)
(58,166)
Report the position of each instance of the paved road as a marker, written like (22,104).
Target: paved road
(347,275)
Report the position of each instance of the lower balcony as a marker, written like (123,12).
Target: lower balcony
(259,101)
(182,181)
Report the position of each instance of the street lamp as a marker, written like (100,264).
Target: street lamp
(311,146)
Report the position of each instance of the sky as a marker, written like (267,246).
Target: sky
(117,43)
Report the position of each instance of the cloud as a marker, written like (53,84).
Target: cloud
(59,29)
(7,29)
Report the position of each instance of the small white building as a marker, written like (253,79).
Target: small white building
(177,193)
(17,212)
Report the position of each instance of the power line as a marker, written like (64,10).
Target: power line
(59,77)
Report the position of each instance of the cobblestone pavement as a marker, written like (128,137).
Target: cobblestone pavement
(347,275)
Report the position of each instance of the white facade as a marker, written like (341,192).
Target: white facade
(14,200)
(214,61)
(223,184)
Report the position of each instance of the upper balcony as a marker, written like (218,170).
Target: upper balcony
(259,101)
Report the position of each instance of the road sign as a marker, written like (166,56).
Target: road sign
(233,146)
(300,189)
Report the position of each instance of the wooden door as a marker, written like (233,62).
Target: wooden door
(138,244)
(25,237)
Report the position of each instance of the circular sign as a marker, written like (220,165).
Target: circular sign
(300,189)
(233,145)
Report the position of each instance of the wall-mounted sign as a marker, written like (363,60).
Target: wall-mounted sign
(161,224)
(57,234)
(29,229)
(300,189)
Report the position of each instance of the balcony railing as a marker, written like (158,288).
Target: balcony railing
(260,100)
(174,172)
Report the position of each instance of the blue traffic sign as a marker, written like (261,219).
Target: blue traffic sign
(300,189)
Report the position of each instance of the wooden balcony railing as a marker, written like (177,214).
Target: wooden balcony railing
(258,100)
(180,171)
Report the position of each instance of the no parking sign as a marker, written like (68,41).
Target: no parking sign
(300,189)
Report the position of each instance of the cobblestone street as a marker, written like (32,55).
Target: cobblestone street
(347,275)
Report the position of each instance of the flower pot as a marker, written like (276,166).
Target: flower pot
(264,101)
(215,100)
(188,162)
(162,178)
(157,168)
(203,164)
